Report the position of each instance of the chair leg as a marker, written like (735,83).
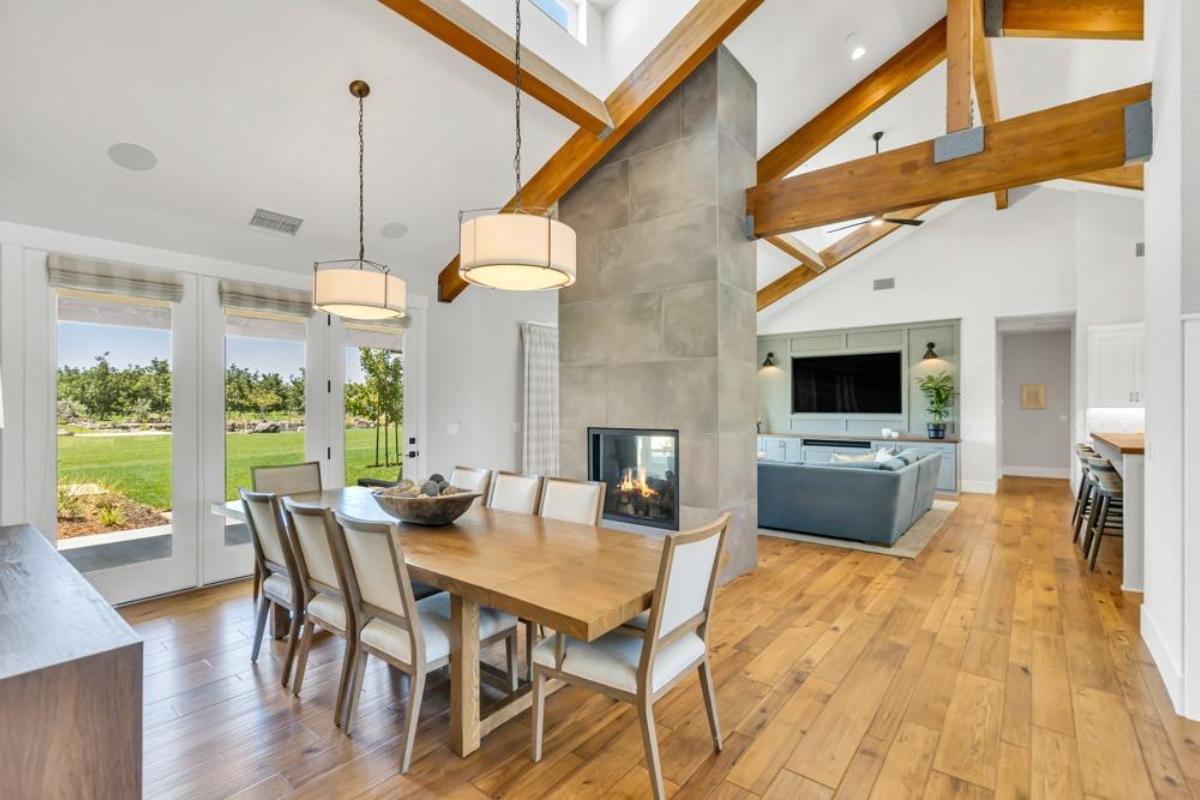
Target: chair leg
(1089,525)
(539,707)
(302,657)
(650,740)
(260,626)
(514,669)
(339,707)
(1079,498)
(356,682)
(710,703)
(293,641)
(412,716)
(1098,533)
(1085,512)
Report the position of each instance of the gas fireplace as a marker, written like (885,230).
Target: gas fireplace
(640,469)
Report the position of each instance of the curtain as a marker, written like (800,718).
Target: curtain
(541,398)
(112,277)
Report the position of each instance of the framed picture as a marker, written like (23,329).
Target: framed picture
(1033,396)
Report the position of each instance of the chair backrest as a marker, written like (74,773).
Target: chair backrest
(687,578)
(572,501)
(473,479)
(287,478)
(265,522)
(309,527)
(512,491)
(375,575)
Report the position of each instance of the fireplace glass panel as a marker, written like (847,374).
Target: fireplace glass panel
(640,469)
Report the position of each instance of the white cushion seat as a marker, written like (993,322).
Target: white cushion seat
(328,611)
(612,660)
(278,586)
(434,612)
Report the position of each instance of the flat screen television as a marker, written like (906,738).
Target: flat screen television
(865,383)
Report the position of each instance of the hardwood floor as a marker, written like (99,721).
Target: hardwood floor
(994,665)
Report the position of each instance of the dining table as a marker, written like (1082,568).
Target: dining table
(579,580)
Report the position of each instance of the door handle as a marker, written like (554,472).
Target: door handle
(411,454)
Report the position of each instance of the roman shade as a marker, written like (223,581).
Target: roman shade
(245,296)
(113,277)
(385,334)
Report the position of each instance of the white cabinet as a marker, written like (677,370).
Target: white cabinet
(1115,366)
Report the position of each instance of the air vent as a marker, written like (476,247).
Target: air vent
(884,283)
(1139,250)
(275,222)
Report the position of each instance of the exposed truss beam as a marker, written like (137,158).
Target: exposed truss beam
(799,251)
(1060,142)
(960,112)
(691,41)
(1066,19)
(468,32)
(897,73)
(983,74)
(1132,176)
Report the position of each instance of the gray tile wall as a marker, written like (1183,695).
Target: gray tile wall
(660,331)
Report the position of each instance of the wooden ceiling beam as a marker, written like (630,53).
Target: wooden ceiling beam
(897,73)
(692,40)
(1060,142)
(1132,176)
(468,32)
(960,112)
(1067,19)
(983,74)
(799,251)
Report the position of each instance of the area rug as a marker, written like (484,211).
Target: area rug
(909,545)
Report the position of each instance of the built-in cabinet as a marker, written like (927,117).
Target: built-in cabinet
(1115,366)
(814,450)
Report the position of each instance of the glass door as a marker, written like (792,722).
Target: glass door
(119,468)
(375,437)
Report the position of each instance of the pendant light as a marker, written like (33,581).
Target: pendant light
(356,288)
(515,248)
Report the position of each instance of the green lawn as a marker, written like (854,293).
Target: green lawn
(139,467)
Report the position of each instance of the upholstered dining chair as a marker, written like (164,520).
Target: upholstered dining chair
(283,479)
(275,561)
(473,479)
(311,529)
(512,491)
(572,501)
(412,635)
(638,665)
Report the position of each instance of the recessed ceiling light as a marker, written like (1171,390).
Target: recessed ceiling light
(394,230)
(132,156)
(856,48)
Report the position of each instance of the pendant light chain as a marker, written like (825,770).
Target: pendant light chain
(517,84)
(361,150)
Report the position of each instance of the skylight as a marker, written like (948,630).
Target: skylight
(567,14)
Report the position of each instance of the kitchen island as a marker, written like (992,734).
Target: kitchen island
(1127,451)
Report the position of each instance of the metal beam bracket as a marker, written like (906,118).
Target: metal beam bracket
(1139,132)
(959,144)
(993,18)
(748,227)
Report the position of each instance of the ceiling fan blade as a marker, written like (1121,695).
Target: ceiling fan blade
(847,227)
(916,223)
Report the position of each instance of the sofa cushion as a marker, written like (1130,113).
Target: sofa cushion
(853,464)
(909,456)
(892,464)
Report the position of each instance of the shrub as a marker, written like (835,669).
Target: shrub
(110,514)
(69,506)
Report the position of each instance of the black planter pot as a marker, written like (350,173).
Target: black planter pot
(937,430)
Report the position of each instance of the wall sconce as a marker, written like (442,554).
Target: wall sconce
(929,353)
(769,361)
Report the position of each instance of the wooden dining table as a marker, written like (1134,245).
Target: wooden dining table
(580,580)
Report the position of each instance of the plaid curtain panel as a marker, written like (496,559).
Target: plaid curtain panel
(540,455)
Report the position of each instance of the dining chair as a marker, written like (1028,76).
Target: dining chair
(415,636)
(638,665)
(473,479)
(276,563)
(322,600)
(512,491)
(283,479)
(572,500)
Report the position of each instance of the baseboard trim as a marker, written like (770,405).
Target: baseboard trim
(979,487)
(1062,473)
(1167,665)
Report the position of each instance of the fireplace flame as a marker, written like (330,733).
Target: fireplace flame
(630,483)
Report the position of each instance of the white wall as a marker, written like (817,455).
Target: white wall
(1036,442)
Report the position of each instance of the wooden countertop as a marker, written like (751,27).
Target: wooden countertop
(1133,443)
(858,437)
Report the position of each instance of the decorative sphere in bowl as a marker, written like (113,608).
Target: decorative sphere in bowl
(407,503)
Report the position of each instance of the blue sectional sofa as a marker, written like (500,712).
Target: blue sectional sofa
(864,502)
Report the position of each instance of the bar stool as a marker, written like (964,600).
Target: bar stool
(1097,467)
(1110,496)
(1083,452)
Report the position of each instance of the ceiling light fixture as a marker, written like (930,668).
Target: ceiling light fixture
(132,156)
(516,248)
(856,48)
(356,288)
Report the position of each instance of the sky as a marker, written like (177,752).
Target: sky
(79,343)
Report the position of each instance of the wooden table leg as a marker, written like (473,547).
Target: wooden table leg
(281,620)
(464,675)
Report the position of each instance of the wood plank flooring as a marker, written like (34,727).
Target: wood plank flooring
(992,666)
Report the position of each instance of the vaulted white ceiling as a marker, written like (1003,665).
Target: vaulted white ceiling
(245,105)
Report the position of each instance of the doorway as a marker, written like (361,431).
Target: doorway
(1035,400)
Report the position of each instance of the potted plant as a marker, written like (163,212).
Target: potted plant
(939,393)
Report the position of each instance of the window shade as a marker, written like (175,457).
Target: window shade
(113,277)
(387,334)
(260,297)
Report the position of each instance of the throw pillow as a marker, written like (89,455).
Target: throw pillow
(842,458)
(884,454)
(910,456)
(892,464)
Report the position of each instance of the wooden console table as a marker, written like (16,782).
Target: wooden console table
(70,680)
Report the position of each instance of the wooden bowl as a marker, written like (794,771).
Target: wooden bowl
(440,510)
